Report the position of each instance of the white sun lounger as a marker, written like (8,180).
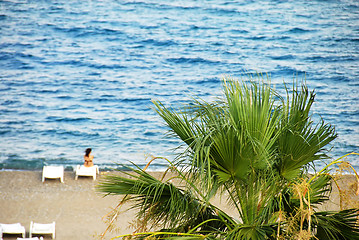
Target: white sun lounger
(15,228)
(86,171)
(40,228)
(53,172)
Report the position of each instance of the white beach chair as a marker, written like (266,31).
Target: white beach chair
(15,228)
(86,171)
(53,172)
(40,228)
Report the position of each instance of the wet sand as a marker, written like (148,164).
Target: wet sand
(75,206)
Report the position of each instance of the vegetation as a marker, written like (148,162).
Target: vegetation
(255,148)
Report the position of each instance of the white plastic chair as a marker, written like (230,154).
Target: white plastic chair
(53,172)
(86,171)
(40,228)
(14,228)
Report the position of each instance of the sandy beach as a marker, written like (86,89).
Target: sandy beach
(74,205)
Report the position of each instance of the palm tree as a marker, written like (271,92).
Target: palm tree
(256,148)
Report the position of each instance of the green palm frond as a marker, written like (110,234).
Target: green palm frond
(160,203)
(300,141)
(341,225)
(255,118)
(251,232)
(181,126)
(320,189)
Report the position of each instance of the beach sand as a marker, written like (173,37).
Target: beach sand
(74,205)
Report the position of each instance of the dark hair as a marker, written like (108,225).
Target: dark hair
(88,152)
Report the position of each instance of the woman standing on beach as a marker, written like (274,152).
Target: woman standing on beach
(88,158)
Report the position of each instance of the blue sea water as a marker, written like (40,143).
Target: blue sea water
(77,74)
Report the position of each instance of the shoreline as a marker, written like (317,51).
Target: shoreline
(75,206)
(102,168)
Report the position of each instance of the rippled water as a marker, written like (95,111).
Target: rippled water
(78,74)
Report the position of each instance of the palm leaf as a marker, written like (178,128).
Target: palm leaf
(300,142)
(337,225)
(160,203)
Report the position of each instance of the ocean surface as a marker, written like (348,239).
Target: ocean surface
(77,74)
